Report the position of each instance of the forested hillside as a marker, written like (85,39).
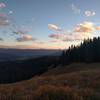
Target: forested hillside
(88,51)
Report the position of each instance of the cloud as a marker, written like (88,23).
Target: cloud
(66,37)
(54,27)
(40,42)
(85,27)
(20,32)
(25,37)
(89,13)
(97,28)
(57,36)
(4,21)
(55,41)
(2,5)
(75,9)
(82,31)
(10,12)
(69,37)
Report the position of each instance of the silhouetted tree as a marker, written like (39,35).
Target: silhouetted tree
(88,51)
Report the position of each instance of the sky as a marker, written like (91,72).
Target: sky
(48,24)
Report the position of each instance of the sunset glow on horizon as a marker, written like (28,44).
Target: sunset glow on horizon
(48,24)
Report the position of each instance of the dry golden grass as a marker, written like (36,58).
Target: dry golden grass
(81,82)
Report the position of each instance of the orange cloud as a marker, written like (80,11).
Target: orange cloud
(97,28)
(85,27)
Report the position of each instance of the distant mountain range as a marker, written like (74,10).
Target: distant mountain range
(9,54)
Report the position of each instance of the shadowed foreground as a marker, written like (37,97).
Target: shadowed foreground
(78,81)
(19,70)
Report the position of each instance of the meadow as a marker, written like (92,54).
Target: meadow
(77,81)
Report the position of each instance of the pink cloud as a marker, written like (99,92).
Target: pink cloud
(67,37)
(25,37)
(54,27)
(57,36)
(4,20)
(2,5)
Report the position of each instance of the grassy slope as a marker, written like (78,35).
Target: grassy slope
(76,77)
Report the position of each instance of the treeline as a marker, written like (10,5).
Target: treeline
(88,51)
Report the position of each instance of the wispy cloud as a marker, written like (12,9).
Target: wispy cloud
(4,20)
(75,9)
(57,36)
(25,37)
(67,37)
(40,42)
(81,31)
(10,12)
(55,41)
(54,27)
(2,5)
(20,32)
(89,13)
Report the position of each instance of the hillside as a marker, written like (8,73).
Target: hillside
(23,69)
(78,81)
